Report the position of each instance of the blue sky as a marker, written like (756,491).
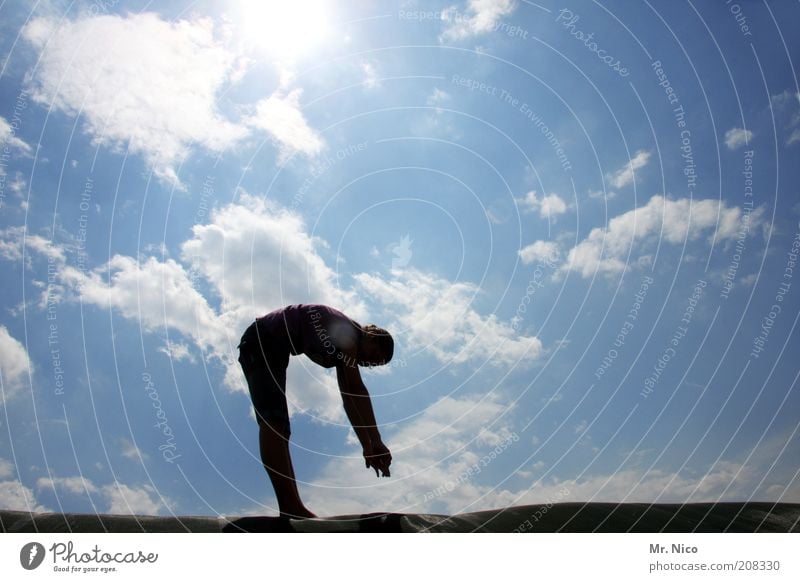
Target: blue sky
(579,222)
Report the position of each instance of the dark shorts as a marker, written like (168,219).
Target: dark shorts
(264,363)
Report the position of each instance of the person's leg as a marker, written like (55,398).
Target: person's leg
(274,446)
(266,379)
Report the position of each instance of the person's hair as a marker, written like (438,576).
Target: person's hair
(383,339)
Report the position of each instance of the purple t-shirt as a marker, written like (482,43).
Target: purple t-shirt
(318,331)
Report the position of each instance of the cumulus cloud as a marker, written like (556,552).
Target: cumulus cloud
(74,485)
(438,316)
(13,494)
(626,173)
(282,118)
(260,257)
(14,365)
(256,256)
(157,294)
(428,453)
(433,453)
(117,498)
(9,139)
(17,497)
(145,500)
(131,451)
(786,107)
(606,249)
(13,239)
(547,206)
(480,17)
(541,251)
(138,82)
(737,137)
(178,352)
(6,469)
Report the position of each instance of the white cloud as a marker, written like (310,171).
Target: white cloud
(787,107)
(144,500)
(428,453)
(481,16)
(371,79)
(18,184)
(749,280)
(157,294)
(16,497)
(751,475)
(178,351)
(540,251)
(13,494)
(552,205)
(438,97)
(634,486)
(737,137)
(73,485)
(548,206)
(259,257)
(131,451)
(282,118)
(606,249)
(118,498)
(626,173)
(138,82)
(437,316)
(432,454)
(494,216)
(14,365)
(6,469)
(598,194)
(11,242)
(256,256)
(9,139)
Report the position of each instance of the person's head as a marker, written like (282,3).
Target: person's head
(376,347)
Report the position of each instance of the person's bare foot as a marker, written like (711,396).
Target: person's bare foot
(298,514)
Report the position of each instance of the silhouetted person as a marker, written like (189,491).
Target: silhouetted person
(331,339)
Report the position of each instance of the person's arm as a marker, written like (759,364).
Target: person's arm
(358,407)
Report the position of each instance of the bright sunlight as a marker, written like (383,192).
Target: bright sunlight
(286,30)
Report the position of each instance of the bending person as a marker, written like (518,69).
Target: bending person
(331,339)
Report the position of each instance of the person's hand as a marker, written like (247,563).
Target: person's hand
(377,456)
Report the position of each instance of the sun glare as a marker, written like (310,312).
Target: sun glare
(286,29)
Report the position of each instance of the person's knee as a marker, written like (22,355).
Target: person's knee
(277,426)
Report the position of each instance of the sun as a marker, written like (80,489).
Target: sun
(286,29)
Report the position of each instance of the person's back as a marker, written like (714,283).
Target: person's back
(322,333)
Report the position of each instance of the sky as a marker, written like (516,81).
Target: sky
(580,223)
